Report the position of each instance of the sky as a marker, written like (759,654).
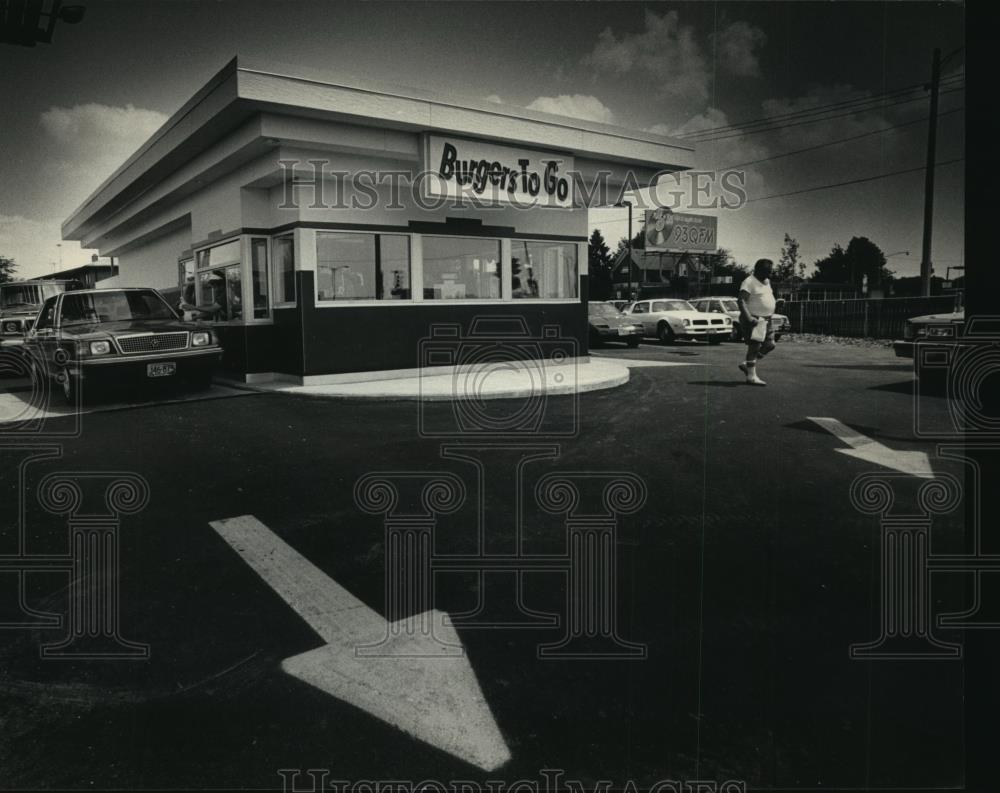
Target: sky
(75,109)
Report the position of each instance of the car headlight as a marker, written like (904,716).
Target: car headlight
(921,331)
(100,347)
(686,322)
(11,327)
(729,320)
(201,338)
(941,331)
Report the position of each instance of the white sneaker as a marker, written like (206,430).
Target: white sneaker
(755,381)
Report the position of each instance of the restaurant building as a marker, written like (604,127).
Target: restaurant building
(328,226)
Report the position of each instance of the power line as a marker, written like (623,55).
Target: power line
(813,110)
(840,140)
(816,109)
(853,111)
(854,181)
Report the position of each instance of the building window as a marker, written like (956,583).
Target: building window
(220,282)
(457,268)
(362,266)
(543,269)
(283,257)
(259,277)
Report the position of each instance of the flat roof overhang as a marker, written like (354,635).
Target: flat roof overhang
(245,89)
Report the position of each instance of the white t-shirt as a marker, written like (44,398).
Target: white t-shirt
(761,302)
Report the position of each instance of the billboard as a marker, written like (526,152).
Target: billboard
(665,230)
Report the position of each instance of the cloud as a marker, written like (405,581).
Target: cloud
(89,142)
(666,51)
(736,49)
(582,106)
(493,98)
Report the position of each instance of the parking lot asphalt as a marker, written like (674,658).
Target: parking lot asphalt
(747,574)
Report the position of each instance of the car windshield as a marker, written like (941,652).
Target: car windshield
(672,305)
(603,310)
(111,306)
(15,295)
(730,305)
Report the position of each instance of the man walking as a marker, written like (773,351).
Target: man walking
(756,304)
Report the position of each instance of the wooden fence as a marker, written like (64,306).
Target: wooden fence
(882,318)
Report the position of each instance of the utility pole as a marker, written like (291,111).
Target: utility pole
(925,260)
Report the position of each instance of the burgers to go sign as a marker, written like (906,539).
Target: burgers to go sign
(665,230)
(491,173)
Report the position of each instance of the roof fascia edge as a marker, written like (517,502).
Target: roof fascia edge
(75,220)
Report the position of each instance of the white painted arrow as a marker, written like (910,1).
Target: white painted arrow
(864,448)
(432,695)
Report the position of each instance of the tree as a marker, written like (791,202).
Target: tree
(789,262)
(599,266)
(638,242)
(725,264)
(7,267)
(862,258)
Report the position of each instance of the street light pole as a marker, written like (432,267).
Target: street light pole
(629,205)
(925,256)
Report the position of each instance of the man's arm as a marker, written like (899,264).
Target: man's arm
(744,311)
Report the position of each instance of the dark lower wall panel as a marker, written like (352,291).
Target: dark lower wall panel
(371,338)
(248,348)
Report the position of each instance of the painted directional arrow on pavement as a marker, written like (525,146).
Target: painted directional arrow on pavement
(864,448)
(434,697)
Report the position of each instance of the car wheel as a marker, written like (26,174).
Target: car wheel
(665,334)
(633,342)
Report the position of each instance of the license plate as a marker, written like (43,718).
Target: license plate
(160,369)
(623,331)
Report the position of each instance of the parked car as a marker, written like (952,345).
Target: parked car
(619,305)
(607,323)
(21,300)
(930,328)
(669,319)
(725,305)
(118,336)
(780,323)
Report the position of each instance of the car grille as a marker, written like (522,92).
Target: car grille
(153,342)
(700,322)
(717,321)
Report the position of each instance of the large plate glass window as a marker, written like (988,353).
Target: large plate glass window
(461,268)
(543,269)
(353,266)
(283,258)
(259,277)
(220,282)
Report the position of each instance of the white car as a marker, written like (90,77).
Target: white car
(669,319)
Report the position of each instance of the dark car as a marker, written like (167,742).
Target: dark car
(118,336)
(607,323)
(929,329)
(20,302)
